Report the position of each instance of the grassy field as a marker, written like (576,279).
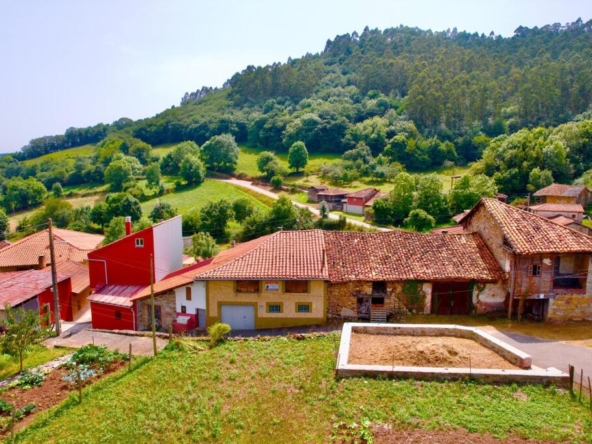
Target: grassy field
(196,197)
(69,154)
(9,365)
(284,391)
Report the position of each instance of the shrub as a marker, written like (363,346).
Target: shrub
(30,379)
(217,333)
(96,355)
(276,182)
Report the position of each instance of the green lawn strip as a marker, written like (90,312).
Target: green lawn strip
(284,391)
(70,154)
(358,217)
(9,365)
(191,198)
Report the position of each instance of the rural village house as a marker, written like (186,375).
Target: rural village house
(547,264)
(356,202)
(25,271)
(123,268)
(557,193)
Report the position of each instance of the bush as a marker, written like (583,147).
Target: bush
(277,182)
(217,333)
(97,355)
(30,379)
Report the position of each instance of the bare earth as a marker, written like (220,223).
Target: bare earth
(423,351)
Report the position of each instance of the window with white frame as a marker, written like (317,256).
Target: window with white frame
(139,242)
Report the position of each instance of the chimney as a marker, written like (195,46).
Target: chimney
(232,243)
(128,225)
(42,261)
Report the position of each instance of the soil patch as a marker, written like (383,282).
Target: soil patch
(53,391)
(385,435)
(423,351)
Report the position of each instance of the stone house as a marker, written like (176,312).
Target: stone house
(557,193)
(334,197)
(548,265)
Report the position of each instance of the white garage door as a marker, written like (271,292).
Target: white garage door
(239,317)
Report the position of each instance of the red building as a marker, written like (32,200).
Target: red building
(121,269)
(32,290)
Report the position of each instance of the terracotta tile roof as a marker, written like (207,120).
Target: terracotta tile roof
(318,187)
(557,189)
(373,198)
(19,286)
(400,255)
(559,208)
(528,233)
(366,193)
(4,243)
(282,255)
(458,229)
(562,220)
(120,295)
(458,217)
(72,245)
(77,272)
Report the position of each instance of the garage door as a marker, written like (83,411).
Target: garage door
(239,317)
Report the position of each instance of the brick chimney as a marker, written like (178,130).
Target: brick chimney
(42,261)
(128,225)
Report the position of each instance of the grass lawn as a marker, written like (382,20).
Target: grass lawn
(196,197)
(162,150)
(70,154)
(284,391)
(9,365)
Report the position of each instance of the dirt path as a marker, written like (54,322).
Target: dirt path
(250,186)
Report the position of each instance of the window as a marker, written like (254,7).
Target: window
(304,307)
(187,293)
(379,287)
(534,270)
(247,286)
(274,308)
(183,309)
(118,316)
(139,242)
(296,286)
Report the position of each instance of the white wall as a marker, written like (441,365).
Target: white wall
(168,247)
(198,297)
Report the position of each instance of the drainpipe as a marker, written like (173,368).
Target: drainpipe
(133,317)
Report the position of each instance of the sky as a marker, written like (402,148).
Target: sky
(72,63)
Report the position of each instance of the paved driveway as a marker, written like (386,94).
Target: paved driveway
(141,345)
(547,353)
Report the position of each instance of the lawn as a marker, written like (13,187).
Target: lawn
(191,198)
(70,154)
(284,391)
(9,365)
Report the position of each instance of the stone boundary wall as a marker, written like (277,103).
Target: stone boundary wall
(526,376)
(570,307)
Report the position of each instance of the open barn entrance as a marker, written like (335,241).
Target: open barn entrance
(451,298)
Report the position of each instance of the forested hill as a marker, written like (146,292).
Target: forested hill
(418,97)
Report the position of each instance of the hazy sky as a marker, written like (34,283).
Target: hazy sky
(76,63)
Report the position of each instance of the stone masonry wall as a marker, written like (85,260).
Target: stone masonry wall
(569,307)
(166,302)
(340,296)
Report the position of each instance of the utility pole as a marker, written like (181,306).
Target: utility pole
(54,281)
(152,303)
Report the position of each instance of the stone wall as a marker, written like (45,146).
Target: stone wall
(483,223)
(166,302)
(343,295)
(570,307)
